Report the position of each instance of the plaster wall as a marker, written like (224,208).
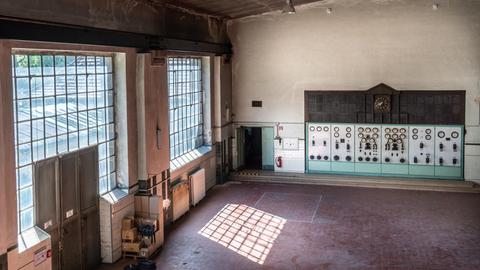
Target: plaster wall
(405,44)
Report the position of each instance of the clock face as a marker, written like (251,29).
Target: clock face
(382,104)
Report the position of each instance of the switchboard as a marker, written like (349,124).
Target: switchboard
(448,151)
(343,147)
(391,150)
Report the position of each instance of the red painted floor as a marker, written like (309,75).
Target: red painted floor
(271,226)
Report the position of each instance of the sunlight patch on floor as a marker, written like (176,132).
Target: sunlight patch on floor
(245,230)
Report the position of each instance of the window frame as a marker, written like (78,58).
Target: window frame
(108,90)
(184,121)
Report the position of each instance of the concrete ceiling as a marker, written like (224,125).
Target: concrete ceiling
(234,8)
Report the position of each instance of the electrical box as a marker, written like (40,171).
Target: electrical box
(415,151)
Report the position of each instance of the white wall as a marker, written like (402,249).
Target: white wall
(403,43)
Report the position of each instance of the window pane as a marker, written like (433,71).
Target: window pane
(26,198)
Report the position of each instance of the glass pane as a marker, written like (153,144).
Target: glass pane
(38,150)
(37,129)
(26,198)
(24,154)
(26,219)
(21,65)
(83,138)
(51,147)
(36,87)
(59,64)
(23,88)
(24,132)
(25,176)
(48,64)
(35,62)
(62,144)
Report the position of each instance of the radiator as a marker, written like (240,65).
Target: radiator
(197,184)
(180,199)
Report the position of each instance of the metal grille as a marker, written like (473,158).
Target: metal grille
(62,103)
(185,105)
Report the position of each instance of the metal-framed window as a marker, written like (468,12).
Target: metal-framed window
(62,103)
(185,96)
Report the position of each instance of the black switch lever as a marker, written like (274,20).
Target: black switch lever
(324,143)
(441,147)
(415,160)
(336,146)
(455,147)
(455,161)
(421,145)
(441,161)
(313,143)
(348,146)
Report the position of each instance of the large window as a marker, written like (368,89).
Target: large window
(186,105)
(62,103)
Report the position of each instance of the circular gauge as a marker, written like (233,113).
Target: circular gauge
(402,130)
(428,131)
(336,129)
(395,136)
(349,135)
(455,135)
(364,140)
(326,129)
(387,136)
(403,136)
(360,135)
(349,129)
(336,135)
(390,141)
(387,130)
(395,130)
(319,129)
(375,130)
(399,141)
(368,130)
(441,134)
(312,128)
(372,140)
(428,137)
(360,129)
(415,137)
(415,131)
(375,136)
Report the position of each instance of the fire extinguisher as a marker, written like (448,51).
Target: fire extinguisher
(278,162)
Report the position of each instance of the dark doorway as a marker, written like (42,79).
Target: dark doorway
(253,148)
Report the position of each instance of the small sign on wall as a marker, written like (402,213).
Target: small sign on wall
(257,103)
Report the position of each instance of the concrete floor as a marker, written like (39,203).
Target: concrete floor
(273,226)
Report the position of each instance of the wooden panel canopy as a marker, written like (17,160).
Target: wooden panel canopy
(406,107)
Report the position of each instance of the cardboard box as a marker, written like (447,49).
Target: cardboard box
(128,223)
(131,247)
(130,234)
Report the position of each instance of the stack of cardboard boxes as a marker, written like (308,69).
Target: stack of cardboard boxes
(148,214)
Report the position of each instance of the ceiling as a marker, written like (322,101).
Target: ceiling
(234,8)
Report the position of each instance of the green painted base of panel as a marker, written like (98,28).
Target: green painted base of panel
(268,167)
(449,172)
(319,166)
(420,170)
(395,169)
(368,168)
(343,167)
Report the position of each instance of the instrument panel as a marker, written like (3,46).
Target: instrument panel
(367,146)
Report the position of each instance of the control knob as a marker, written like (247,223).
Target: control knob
(387,159)
(360,159)
(325,157)
(348,158)
(336,158)
(402,160)
(367,159)
(375,159)
(312,157)
(319,157)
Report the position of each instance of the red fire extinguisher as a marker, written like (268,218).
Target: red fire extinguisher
(278,162)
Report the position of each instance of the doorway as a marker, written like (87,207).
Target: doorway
(255,148)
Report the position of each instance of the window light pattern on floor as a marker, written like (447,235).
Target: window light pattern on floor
(244,230)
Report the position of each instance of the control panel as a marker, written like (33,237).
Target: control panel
(319,142)
(395,144)
(448,146)
(422,145)
(343,143)
(417,151)
(367,146)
